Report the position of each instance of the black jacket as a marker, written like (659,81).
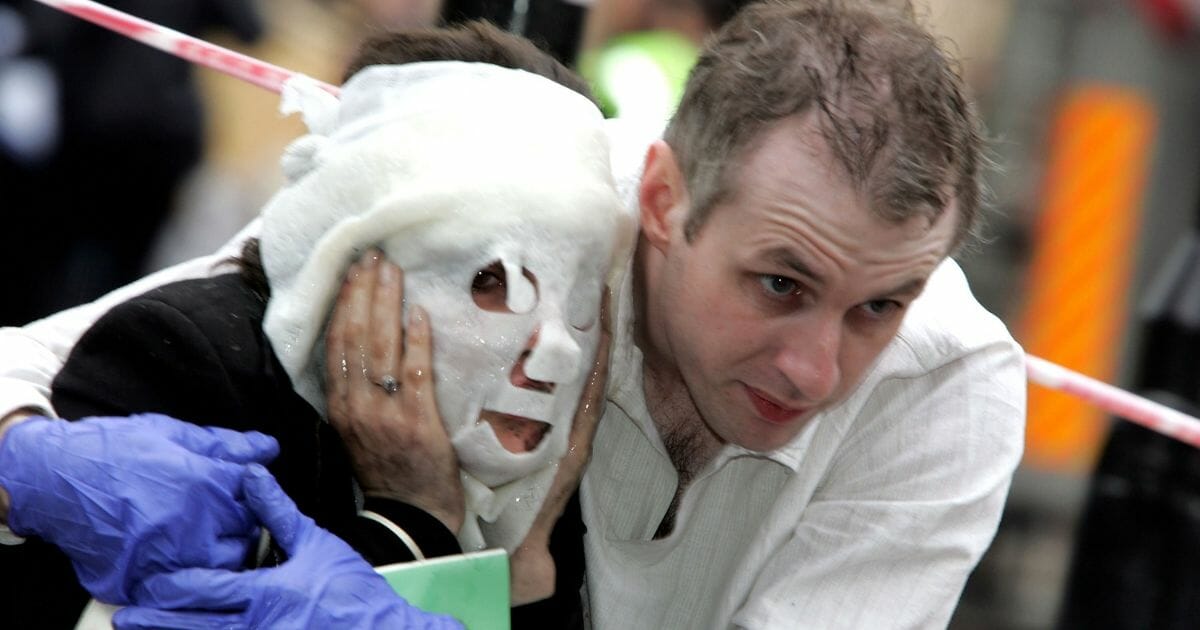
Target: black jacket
(195,350)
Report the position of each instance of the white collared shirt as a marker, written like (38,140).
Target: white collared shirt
(871,518)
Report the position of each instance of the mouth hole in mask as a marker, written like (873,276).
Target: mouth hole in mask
(516,434)
(489,287)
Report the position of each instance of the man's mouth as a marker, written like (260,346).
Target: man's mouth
(770,410)
(516,434)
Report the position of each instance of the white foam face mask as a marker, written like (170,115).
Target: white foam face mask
(465,175)
(521,298)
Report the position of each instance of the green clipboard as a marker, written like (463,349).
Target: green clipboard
(471,587)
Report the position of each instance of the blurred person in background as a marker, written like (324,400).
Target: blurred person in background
(637,53)
(123,127)
(554,25)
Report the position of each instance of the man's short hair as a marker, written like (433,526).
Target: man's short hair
(477,41)
(889,102)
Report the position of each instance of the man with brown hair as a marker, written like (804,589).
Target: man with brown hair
(794,438)
(811,422)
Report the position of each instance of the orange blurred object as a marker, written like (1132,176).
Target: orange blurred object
(1085,242)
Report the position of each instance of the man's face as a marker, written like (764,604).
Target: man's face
(788,293)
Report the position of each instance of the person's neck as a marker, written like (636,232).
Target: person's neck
(687,438)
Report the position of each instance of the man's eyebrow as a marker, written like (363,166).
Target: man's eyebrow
(787,259)
(909,289)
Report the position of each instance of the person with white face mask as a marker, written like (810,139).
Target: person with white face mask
(502,277)
(511,267)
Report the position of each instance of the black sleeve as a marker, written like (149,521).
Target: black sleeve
(380,545)
(40,589)
(195,351)
(147,356)
(564,609)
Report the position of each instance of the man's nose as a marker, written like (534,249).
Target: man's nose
(552,356)
(808,358)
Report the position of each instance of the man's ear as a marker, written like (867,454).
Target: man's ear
(662,196)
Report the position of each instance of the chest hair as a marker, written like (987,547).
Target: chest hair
(688,442)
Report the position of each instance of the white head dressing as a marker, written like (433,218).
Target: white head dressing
(450,167)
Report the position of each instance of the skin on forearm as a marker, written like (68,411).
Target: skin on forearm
(6,423)
(531,570)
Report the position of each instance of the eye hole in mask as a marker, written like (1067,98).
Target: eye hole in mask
(489,288)
(583,326)
(582,312)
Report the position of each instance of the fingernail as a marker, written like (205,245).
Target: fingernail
(256,471)
(256,478)
(416,315)
(263,441)
(388,274)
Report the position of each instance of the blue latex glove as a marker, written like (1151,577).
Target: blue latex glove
(323,584)
(128,497)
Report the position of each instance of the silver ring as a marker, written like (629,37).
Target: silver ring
(389,384)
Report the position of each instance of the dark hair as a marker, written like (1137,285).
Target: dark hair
(889,102)
(472,42)
(250,268)
(718,12)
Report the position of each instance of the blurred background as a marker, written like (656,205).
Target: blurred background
(116,159)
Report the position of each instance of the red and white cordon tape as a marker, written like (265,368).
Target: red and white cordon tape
(198,51)
(1117,401)
(1152,415)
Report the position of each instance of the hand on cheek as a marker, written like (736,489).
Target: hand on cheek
(379,390)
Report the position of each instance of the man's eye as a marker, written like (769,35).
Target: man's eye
(779,286)
(881,309)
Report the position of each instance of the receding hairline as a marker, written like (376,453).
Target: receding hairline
(809,131)
(907,174)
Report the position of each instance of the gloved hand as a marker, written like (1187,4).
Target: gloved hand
(323,584)
(128,497)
